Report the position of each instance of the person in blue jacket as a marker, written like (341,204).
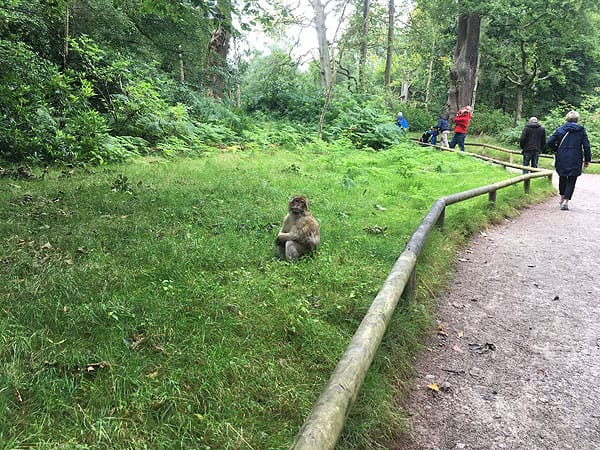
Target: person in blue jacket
(402,122)
(572,146)
(442,127)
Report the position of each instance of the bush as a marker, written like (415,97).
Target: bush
(45,113)
(419,119)
(364,127)
(206,109)
(275,85)
(490,122)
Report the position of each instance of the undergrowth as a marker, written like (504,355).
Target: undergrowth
(142,306)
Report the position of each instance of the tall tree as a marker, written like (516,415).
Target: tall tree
(218,48)
(321,29)
(463,73)
(532,42)
(363,45)
(387,76)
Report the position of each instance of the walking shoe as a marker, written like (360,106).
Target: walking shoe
(564,206)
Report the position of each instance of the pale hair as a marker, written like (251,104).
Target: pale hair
(572,116)
(533,120)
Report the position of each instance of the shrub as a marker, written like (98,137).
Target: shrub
(45,113)
(490,122)
(275,85)
(206,109)
(364,127)
(419,119)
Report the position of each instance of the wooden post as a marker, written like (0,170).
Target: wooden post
(527,184)
(441,219)
(510,158)
(411,286)
(492,197)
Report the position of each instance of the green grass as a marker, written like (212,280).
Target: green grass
(142,306)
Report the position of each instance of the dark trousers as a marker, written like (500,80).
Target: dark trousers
(530,157)
(458,138)
(566,186)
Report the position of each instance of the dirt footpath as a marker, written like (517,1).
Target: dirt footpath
(516,356)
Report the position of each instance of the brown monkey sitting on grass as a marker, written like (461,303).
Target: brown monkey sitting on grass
(300,231)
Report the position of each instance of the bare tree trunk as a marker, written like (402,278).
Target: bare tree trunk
(363,45)
(66,42)
(429,76)
(463,73)
(404,92)
(519,109)
(476,80)
(387,77)
(181,71)
(321,28)
(218,48)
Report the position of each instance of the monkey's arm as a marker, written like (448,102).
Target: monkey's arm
(305,232)
(284,234)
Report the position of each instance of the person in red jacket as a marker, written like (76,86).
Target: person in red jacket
(461,122)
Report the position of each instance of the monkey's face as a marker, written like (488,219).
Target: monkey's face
(298,205)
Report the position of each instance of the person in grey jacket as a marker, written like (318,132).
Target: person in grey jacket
(572,146)
(533,139)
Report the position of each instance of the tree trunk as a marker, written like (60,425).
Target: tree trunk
(519,110)
(321,28)
(476,81)
(218,49)
(66,41)
(181,68)
(363,46)
(404,93)
(387,77)
(463,73)
(429,76)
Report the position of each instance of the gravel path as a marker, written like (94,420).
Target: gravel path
(516,355)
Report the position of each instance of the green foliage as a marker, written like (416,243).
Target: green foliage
(45,114)
(418,117)
(205,109)
(511,135)
(489,122)
(268,135)
(365,127)
(275,85)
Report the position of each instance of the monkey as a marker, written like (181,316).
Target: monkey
(299,233)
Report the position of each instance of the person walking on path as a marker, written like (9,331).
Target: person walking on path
(572,147)
(443,128)
(533,139)
(461,123)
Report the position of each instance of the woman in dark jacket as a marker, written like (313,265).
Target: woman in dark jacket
(572,147)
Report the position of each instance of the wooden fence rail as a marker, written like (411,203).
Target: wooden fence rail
(322,428)
(494,147)
(513,152)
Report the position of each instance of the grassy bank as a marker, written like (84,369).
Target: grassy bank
(142,306)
